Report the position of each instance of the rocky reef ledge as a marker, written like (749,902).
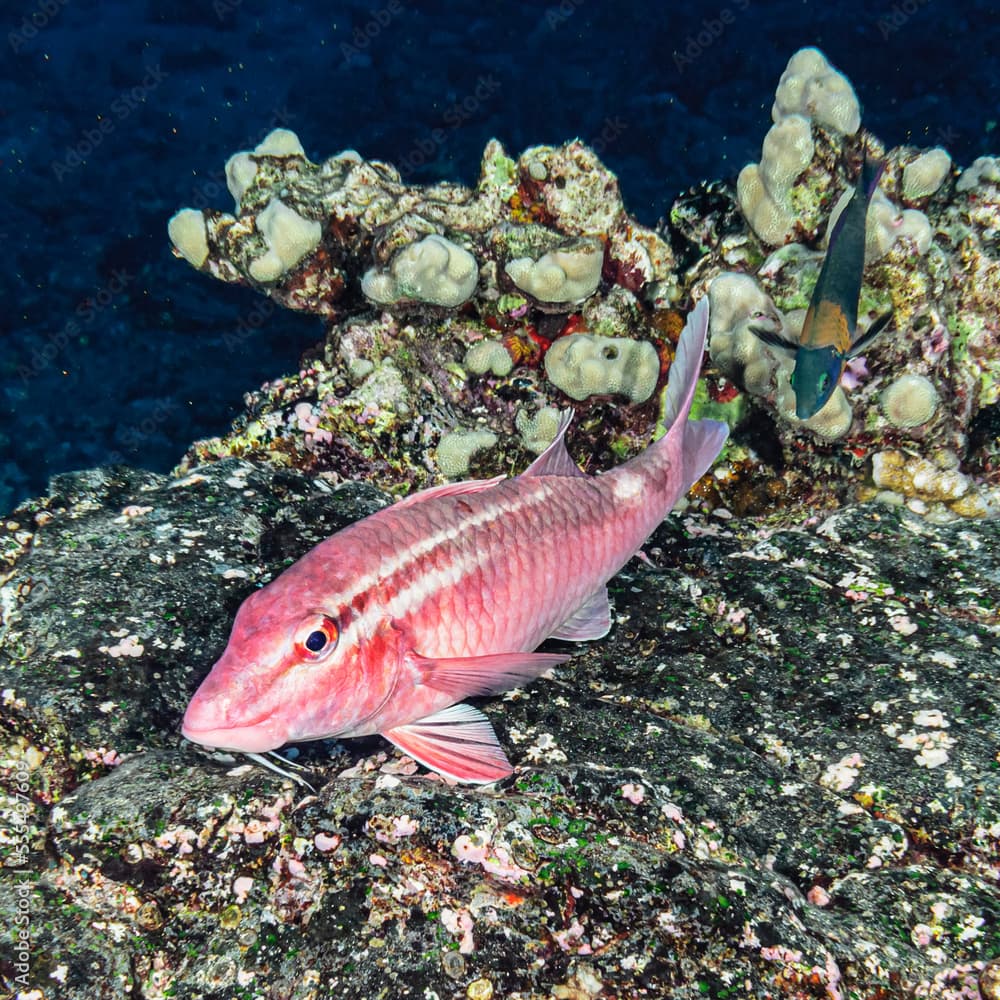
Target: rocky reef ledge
(777,777)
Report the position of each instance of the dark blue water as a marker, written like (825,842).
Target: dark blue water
(113,115)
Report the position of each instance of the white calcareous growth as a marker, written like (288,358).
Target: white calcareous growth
(187,232)
(489,356)
(288,236)
(983,170)
(810,91)
(738,304)
(909,401)
(924,175)
(764,189)
(583,365)
(433,270)
(885,225)
(570,274)
(456,448)
(538,430)
(241,168)
(811,87)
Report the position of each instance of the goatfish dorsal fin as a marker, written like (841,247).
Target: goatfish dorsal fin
(556,460)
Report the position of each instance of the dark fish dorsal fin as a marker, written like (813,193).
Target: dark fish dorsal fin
(448,490)
(556,460)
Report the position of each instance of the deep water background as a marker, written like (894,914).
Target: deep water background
(113,115)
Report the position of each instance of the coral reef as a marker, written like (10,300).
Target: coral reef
(811,88)
(433,270)
(917,389)
(569,275)
(809,92)
(924,175)
(488,356)
(538,429)
(474,287)
(452,307)
(456,448)
(909,401)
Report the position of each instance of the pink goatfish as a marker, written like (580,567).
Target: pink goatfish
(388,624)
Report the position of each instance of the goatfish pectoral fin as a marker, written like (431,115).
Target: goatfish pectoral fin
(865,340)
(458,742)
(468,676)
(592,620)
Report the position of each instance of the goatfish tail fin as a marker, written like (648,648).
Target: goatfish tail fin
(686,366)
(702,439)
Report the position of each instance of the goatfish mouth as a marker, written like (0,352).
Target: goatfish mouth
(201,725)
(245,739)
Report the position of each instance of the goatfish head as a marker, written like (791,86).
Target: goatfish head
(286,672)
(830,336)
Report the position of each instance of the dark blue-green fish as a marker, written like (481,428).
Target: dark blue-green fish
(829,337)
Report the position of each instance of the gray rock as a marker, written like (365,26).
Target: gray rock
(776,776)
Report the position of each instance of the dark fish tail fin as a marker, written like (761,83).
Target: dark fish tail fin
(872,169)
(864,189)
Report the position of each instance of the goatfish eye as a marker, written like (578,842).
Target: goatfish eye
(316,638)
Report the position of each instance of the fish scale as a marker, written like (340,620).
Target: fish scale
(527,550)
(388,625)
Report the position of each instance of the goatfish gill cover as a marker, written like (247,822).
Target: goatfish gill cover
(387,625)
(829,337)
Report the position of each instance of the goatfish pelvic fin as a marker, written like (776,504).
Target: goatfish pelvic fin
(458,742)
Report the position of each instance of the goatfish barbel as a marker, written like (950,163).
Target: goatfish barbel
(387,625)
(829,337)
